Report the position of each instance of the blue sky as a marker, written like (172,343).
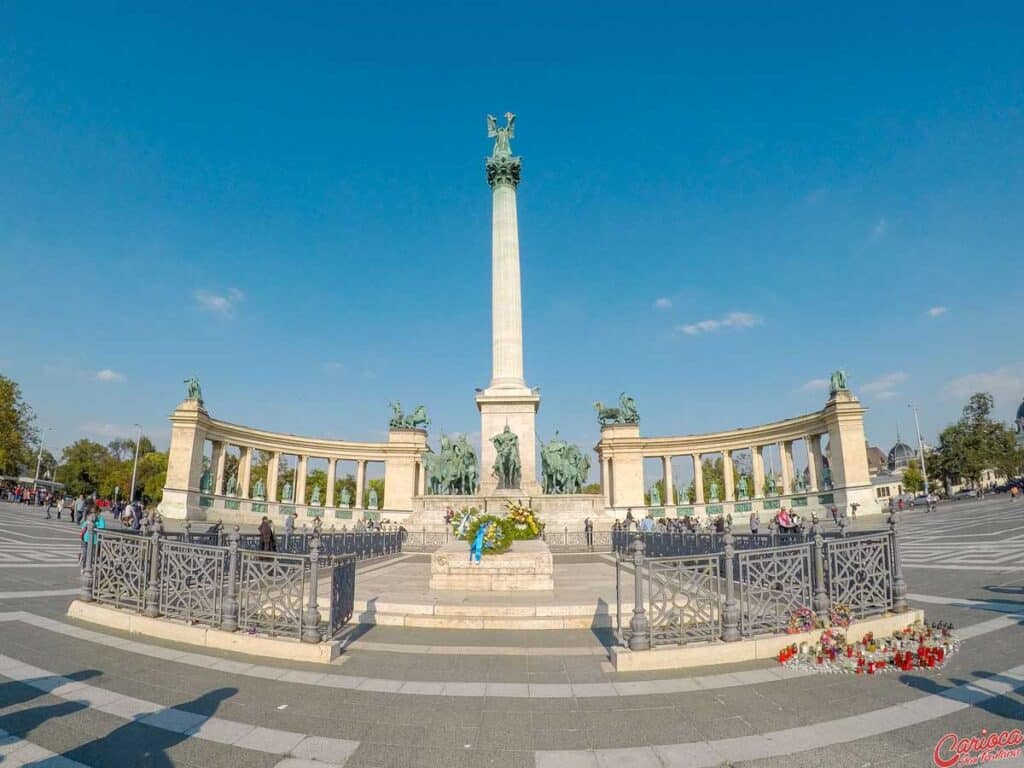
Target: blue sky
(718,207)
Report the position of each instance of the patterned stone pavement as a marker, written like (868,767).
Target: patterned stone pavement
(72,695)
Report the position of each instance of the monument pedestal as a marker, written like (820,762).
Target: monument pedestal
(517,409)
(527,566)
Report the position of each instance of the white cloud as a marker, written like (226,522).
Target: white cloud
(220,304)
(663,303)
(1005,384)
(882,387)
(731,320)
(108,375)
(814,385)
(880,228)
(937,311)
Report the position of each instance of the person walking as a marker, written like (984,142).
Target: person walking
(79,509)
(49,505)
(266,536)
(94,513)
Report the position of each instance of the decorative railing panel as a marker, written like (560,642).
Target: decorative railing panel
(270,592)
(859,573)
(192,581)
(120,569)
(684,599)
(343,588)
(773,584)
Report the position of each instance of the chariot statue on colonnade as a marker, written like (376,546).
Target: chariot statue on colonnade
(837,381)
(418,419)
(626,413)
(192,390)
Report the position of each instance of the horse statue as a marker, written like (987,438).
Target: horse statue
(416,420)
(837,381)
(192,389)
(506,465)
(626,413)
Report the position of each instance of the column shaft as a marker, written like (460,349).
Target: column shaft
(757,461)
(244,472)
(786,459)
(332,469)
(300,480)
(272,475)
(666,473)
(727,476)
(219,460)
(813,462)
(360,483)
(698,479)
(506,296)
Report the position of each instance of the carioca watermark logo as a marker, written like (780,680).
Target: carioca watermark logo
(975,750)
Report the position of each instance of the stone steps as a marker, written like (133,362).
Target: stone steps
(438,615)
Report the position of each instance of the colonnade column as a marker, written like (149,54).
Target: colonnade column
(300,481)
(666,471)
(244,471)
(698,480)
(360,483)
(421,478)
(332,470)
(813,462)
(219,459)
(786,460)
(272,465)
(606,480)
(727,476)
(757,460)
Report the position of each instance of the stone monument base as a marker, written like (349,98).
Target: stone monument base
(527,566)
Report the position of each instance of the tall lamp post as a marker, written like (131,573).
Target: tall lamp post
(135,464)
(920,446)
(39,459)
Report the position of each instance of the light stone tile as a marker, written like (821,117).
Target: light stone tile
(634,757)
(342,681)
(550,690)
(95,697)
(698,754)
(508,690)
(221,731)
(234,667)
(333,751)
(422,688)
(270,740)
(583,690)
(174,720)
(267,673)
(297,762)
(129,708)
(300,676)
(566,759)
(380,685)
(465,689)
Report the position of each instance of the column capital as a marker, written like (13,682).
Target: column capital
(503,170)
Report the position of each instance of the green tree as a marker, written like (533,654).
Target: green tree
(17,429)
(591,488)
(974,443)
(151,477)
(122,448)
(85,465)
(913,480)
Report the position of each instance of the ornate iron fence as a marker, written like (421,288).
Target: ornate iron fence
(746,589)
(120,568)
(191,581)
(689,543)
(225,587)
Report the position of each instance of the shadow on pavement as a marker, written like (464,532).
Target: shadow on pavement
(134,744)
(20,691)
(1003,704)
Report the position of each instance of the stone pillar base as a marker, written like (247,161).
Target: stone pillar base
(518,409)
(527,566)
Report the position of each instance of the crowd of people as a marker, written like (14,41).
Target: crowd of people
(785,520)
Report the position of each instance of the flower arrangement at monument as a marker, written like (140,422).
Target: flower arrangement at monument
(519,524)
(918,646)
(525,524)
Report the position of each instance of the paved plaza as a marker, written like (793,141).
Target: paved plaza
(74,695)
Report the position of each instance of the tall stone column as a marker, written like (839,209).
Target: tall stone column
(727,476)
(786,460)
(219,460)
(332,470)
(606,480)
(508,401)
(273,463)
(757,460)
(360,483)
(813,443)
(698,480)
(666,473)
(300,480)
(185,461)
(244,471)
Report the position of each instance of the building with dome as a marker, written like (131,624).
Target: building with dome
(899,456)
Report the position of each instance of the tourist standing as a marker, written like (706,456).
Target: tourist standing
(588,531)
(266,536)
(755,522)
(94,513)
(289,528)
(79,509)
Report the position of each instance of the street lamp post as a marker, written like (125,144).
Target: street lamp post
(135,464)
(39,460)
(920,446)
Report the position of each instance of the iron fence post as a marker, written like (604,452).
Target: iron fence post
(188,533)
(230,621)
(85,592)
(899,585)
(822,605)
(311,617)
(731,609)
(639,627)
(153,588)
